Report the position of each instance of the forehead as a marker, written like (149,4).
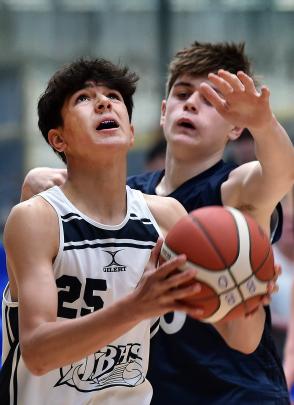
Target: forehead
(98,86)
(190,81)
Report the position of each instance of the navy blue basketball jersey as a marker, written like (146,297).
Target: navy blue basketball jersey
(190,363)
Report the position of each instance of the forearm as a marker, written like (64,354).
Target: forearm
(243,334)
(274,150)
(40,179)
(55,344)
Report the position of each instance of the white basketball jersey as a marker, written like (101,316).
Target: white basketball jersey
(96,265)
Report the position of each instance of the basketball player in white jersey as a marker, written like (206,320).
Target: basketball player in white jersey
(77,308)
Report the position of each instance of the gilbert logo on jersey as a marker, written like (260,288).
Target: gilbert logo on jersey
(113,266)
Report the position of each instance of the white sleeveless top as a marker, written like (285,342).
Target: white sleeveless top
(96,265)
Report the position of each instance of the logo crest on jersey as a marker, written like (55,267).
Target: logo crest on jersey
(112,366)
(113,266)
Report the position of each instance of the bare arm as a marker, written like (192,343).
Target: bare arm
(40,179)
(31,241)
(260,185)
(255,187)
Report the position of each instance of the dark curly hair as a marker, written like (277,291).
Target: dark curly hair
(73,77)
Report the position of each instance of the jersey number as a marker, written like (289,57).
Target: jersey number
(71,292)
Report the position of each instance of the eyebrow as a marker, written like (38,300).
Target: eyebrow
(187,84)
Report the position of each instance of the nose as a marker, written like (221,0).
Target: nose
(192,103)
(102,103)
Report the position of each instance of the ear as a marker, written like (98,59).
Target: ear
(132,137)
(163,111)
(235,133)
(56,140)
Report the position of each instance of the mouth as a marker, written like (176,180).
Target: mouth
(185,123)
(107,124)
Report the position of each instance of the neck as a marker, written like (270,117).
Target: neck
(178,171)
(99,191)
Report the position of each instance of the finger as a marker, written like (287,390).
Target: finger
(265,93)
(165,269)
(155,253)
(176,280)
(272,287)
(195,313)
(184,292)
(278,270)
(266,300)
(232,80)
(247,81)
(212,96)
(221,83)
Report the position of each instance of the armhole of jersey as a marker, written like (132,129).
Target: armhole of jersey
(61,236)
(154,223)
(276,224)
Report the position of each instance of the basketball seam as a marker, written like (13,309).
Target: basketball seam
(199,224)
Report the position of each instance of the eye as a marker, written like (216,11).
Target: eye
(82,97)
(114,96)
(182,95)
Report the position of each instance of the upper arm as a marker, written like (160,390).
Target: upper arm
(255,187)
(248,189)
(31,243)
(166,211)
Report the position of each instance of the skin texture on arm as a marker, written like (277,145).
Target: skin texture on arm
(31,242)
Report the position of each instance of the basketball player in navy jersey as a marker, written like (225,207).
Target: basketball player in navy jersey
(211,97)
(78,306)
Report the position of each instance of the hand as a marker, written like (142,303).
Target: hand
(236,98)
(40,179)
(272,287)
(160,288)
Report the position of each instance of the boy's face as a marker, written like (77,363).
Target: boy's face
(190,123)
(94,117)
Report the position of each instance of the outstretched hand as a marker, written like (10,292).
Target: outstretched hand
(236,98)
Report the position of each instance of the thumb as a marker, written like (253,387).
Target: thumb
(155,253)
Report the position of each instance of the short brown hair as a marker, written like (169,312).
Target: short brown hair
(202,58)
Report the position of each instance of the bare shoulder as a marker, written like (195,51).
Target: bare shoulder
(31,238)
(31,211)
(29,222)
(166,210)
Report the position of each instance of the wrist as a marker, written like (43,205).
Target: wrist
(270,124)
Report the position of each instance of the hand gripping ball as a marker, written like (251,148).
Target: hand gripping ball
(233,257)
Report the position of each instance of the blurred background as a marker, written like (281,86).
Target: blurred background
(38,36)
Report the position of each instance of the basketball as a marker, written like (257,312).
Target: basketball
(232,255)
